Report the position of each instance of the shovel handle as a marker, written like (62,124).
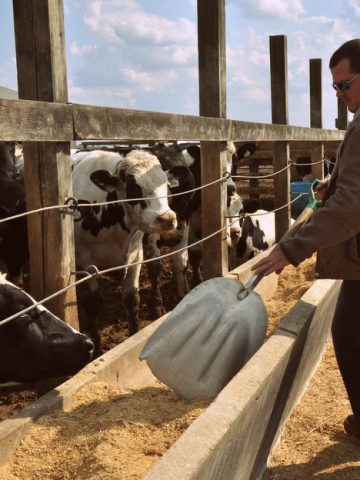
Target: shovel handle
(304,216)
(253,281)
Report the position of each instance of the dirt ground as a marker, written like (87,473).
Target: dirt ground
(313,444)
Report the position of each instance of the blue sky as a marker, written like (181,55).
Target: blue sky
(142,54)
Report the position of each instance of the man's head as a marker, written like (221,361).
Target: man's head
(345,70)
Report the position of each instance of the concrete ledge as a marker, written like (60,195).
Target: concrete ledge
(233,437)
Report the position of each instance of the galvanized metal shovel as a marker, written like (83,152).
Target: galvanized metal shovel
(210,334)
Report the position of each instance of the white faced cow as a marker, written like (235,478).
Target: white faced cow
(111,235)
(257,235)
(36,345)
(234,204)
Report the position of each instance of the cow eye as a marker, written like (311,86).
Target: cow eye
(133,190)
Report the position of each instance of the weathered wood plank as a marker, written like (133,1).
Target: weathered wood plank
(41,121)
(317,148)
(279,109)
(23,120)
(212,58)
(91,122)
(315,66)
(40,54)
(341,121)
(215,254)
(212,101)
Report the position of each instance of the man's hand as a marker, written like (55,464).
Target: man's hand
(274,262)
(321,188)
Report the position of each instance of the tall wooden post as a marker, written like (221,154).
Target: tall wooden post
(40,55)
(317,148)
(279,110)
(212,91)
(341,121)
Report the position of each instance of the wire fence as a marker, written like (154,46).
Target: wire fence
(72,203)
(92,271)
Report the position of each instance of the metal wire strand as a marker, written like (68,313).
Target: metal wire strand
(93,271)
(76,203)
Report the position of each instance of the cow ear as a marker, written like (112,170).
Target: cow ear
(194,151)
(246,150)
(251,205)
(105,180)
(173,182)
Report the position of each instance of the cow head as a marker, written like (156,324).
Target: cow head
(180,177)
(241,156)
(36,345)
(139,176)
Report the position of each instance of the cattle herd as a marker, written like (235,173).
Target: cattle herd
(158,204)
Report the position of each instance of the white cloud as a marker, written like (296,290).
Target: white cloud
(128,23)
(114,96)
(131,50)
(288,10)
(77,49)
(355,6)
(149,81)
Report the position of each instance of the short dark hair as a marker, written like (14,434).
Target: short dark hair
(349,50)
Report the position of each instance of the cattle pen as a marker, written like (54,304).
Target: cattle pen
(46,124)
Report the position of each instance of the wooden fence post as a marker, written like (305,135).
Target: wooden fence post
(341,121)
(279,109)
(317,148)
(40,55)
(212,92)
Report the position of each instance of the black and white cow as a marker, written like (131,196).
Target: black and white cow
(36,345)
(303,168)
(111,235)
(181,181)
(257,235)
(234,203)
(13,233)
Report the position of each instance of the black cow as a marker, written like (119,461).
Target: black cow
(181,179)
(303,168)
(36,345)
(234,203)
(13,233)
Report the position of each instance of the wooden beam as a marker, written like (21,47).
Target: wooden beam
(29,121)
(215,254)
(212,100)
(341,122)
(22,121)
(279,109)
(40,55)
(317,149)
(212,58)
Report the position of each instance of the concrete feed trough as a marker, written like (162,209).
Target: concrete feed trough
(235,434)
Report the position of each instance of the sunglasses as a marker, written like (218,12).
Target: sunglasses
(343,86)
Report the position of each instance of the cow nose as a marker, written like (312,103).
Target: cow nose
(89,345)
(234,232)
(167,220)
